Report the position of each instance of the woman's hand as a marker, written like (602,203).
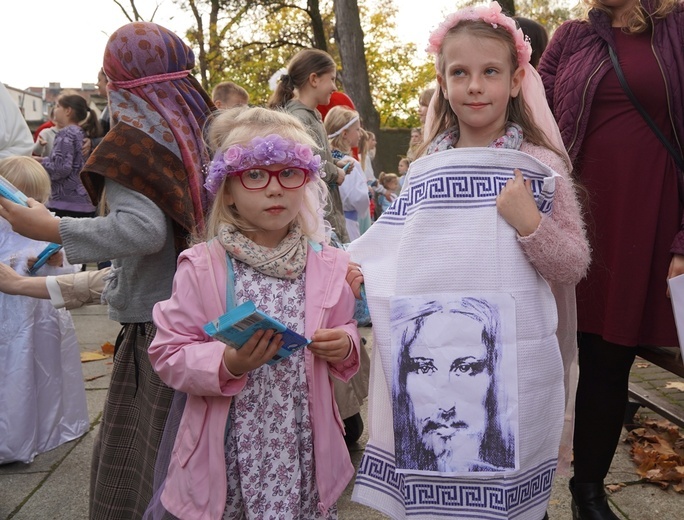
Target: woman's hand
(34,222)
(331,345)
(676,268)
(517,206)
(355,278)
(258,349)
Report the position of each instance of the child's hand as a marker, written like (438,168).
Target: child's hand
(258,349)
(517,206)
(355,278)
(676,268)
(86,147)
(34,222)
(9,280)
(56,259)
(340,176)
(331,345)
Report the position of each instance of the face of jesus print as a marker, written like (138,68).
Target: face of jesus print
(447,387)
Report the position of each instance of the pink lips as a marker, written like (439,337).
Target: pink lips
(476,106)
(275,209)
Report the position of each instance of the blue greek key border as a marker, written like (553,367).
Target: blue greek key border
(445,496)
(459,187)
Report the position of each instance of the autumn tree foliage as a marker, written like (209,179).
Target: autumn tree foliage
(248,41)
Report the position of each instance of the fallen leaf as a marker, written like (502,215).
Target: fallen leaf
(613,488)
(658,451)
(92,356)
(675,384)
(642,365)
(107,348)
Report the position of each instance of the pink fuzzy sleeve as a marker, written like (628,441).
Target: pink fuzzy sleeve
(558,248)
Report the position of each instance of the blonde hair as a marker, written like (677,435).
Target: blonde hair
(336,118)
(425,97)
(364,140)
(386,178)
(27,175)
(223,91)
(517,111)
(636,20)
(240,125)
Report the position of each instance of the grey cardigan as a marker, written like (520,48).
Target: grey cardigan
(138,237)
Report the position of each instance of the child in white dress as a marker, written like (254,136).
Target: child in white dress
(42,395)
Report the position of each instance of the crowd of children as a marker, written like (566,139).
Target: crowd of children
(468,265)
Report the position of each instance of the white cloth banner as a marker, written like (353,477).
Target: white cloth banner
(444,236)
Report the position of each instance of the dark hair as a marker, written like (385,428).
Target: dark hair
(82,114)
(304,63)
(538,36)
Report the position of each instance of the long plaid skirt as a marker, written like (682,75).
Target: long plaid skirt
(132,424)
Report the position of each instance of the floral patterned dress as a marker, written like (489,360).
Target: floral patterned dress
(269,444)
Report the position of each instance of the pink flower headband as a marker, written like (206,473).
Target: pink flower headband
(490,14)
(261,152)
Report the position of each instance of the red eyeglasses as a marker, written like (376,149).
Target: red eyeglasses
(259,178)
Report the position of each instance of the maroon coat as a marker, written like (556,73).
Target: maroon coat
(577,59)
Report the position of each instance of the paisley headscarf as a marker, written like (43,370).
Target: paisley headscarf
(158,110)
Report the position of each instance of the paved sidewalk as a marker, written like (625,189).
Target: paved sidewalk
(55,485)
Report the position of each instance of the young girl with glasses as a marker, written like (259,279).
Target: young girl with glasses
(258,440)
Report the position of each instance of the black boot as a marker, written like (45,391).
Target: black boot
(353,427)
(589,502)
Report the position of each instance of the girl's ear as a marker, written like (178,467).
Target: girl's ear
(440,83)
(516,81)
(313,79)
(228,198)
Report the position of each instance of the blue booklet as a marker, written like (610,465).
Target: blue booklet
(43,257)
(8,191)
(236,326)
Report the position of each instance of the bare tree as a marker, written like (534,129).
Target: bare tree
(349,38)
(134,16)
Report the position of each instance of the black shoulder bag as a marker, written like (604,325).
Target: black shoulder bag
(668,145)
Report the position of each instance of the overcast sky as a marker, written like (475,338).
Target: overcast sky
(45,41)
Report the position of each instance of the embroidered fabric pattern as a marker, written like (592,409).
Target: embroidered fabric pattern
(490,14)
(261,152)
(442,497)
(446,186)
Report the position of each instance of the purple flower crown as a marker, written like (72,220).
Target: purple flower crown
(261,152)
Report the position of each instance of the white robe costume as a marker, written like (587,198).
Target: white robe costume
(42,393)
(443,235)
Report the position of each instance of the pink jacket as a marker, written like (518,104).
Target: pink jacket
(188,360)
